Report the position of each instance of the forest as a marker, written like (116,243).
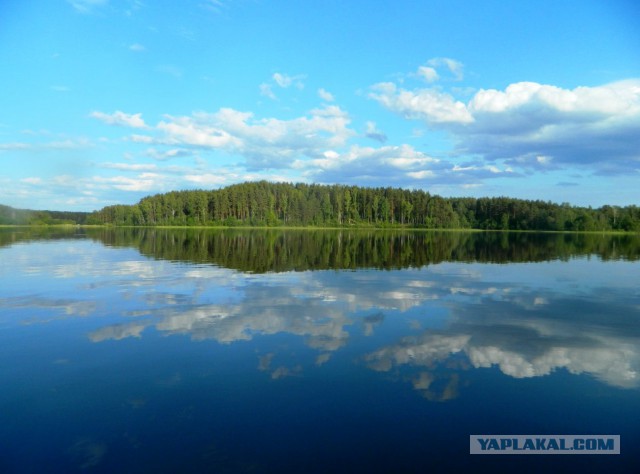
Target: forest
(284,204)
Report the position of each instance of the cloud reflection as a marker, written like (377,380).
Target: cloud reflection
(527,320)
(531,336)
(509,319)
(117,332)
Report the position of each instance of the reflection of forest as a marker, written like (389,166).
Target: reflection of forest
(285,250)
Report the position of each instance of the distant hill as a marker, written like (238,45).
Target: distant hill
(12,216)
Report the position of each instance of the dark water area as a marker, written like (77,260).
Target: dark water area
(193,350)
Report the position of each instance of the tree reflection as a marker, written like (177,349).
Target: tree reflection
(260,251)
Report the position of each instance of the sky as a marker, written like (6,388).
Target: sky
(107,101)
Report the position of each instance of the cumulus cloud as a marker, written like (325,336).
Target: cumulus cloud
(379,166)
(120,118)
(539,124)
(197,132)
(532,125)
(265,143)
(430,105)
(368,161)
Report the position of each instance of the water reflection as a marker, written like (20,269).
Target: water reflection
(432,316)
(600,338)
(523,326)
(259,251)
(333,365)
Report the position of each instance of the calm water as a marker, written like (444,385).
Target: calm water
(254,351)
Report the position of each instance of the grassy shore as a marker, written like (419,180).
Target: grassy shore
(311,228)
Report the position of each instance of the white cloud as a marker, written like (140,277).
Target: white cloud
(137,47)
(539,125)
(285,81)
(189,131)
(381,166)
(325,95)
(431,105)
(455,67)
(282,80)
(120,118)
(429,74)
(533,125)
(377,165)
(265,143)
(620,99)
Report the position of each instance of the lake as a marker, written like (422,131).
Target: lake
(192,350)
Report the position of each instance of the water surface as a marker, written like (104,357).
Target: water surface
(313,351)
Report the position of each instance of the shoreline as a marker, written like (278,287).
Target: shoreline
(312,228)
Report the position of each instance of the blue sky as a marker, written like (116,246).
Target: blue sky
(108,101)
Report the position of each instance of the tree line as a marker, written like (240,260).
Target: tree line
(283,204)
(12,216)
